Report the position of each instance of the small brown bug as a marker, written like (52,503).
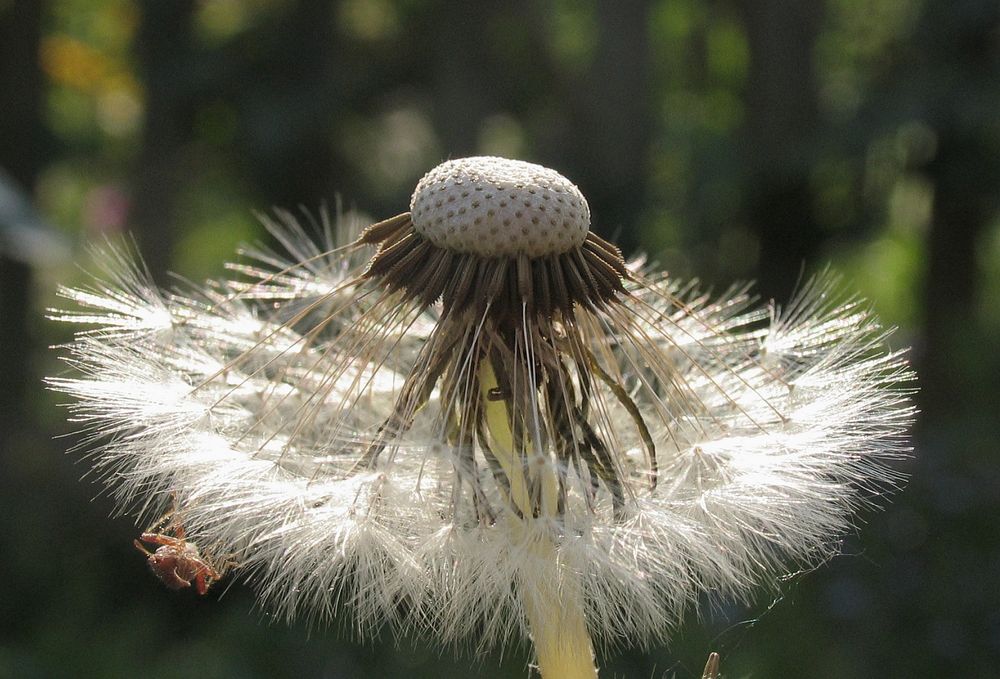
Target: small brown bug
(177,562)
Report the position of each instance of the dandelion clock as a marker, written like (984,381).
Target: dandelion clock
(475,419)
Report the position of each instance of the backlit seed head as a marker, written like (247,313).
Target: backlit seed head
(496,207)
(465,434)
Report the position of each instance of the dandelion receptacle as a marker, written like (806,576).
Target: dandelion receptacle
(476,419)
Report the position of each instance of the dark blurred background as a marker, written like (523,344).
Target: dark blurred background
(730,140)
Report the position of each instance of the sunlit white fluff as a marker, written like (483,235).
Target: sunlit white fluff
(252,400)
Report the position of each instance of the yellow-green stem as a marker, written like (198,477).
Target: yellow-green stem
(553,601)
(558,627)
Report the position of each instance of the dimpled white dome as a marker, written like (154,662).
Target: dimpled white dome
(496,207)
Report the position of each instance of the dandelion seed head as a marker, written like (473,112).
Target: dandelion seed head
(438,436)
(496,207)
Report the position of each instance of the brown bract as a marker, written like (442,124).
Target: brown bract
(487,233)
(588,275)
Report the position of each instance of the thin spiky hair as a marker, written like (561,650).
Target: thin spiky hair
(330,431)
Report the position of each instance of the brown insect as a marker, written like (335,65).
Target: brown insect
(177,562)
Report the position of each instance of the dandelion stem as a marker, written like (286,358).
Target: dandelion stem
(554,603)
(558,627)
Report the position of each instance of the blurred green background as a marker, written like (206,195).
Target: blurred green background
(729,139)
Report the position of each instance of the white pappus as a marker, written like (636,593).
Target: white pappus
(467,412)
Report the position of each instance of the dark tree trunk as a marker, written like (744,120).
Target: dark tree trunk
(163,48)
(21,156)
(780,136)
(21,79)
(962,210)
(959,39)
(460,88)
(296,101)
(615,125)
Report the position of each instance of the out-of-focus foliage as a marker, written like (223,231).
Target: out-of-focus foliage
(730,139)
